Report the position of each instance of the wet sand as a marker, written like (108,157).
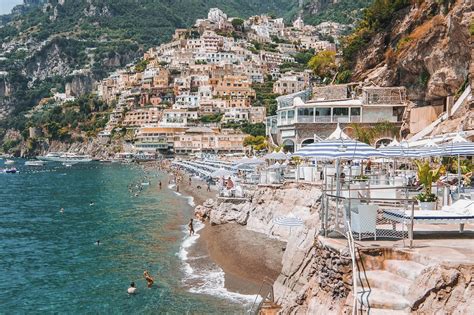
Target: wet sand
(246,257)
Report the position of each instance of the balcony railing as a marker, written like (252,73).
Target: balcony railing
(333,119)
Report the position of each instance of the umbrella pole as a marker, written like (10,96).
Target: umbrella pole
(337,190)
(459,176)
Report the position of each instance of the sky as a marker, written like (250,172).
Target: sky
(6,6)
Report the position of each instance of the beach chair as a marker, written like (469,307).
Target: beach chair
(364,220)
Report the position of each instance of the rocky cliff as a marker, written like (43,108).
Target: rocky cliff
(265,204)
(426,48)
(316,275)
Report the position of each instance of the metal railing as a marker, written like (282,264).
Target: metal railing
(270,296)
(366,217)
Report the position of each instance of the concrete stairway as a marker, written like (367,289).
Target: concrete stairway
(385,290)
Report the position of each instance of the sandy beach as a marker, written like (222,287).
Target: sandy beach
(246,257)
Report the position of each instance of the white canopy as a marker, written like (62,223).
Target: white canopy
(279,156)
(338,134)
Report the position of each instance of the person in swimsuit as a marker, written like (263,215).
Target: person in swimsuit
(149,279)
(191,227)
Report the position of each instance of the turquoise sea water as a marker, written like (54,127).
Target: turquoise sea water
(49,262)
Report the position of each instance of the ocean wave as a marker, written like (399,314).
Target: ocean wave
(191,201)
(206,278)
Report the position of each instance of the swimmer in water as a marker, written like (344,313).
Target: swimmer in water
(132,289)
(149,279)
(91,203)
(62,210)
(97,242)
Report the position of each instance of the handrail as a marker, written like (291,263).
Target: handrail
(414,201)
(373,188)
(269,282)
(351,244)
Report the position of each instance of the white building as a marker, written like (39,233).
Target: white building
(184,101)
(177,117)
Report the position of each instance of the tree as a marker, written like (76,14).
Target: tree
(323,63)
(238,23)
(256,143)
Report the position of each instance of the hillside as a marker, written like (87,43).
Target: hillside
(71,44)
(423,45)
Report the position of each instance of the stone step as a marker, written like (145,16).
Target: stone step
(388,281)
(377,298)
(404,268)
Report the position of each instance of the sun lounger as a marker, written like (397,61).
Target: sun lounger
(461,212)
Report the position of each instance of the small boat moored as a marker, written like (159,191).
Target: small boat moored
(35,163)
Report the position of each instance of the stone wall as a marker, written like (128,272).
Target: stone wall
(316,277)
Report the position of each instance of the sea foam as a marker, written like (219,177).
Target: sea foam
(206,278)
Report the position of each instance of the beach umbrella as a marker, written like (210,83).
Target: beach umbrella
(279,156)
(275,166)
(252,160)
(458,146)
(221,172)
(289,220)
(400,151)
(337,148)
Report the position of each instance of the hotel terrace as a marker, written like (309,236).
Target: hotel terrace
(300,119)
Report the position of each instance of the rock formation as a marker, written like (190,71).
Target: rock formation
(426,48)
(316,275)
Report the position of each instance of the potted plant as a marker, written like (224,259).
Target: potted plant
(427,176)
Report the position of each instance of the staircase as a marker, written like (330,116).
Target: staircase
(384,290)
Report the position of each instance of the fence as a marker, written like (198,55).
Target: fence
(366,217)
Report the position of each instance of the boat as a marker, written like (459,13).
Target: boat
(51,156)
(9,162)
(65,157)
(35,163)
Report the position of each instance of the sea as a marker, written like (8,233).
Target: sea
(50,261)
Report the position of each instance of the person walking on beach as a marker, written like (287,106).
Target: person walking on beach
(191,227)
(160,184)
(208,186)
(177,188)
(189,180)
(149,279)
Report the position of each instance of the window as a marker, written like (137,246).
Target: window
(341,111)
(355,111)
(322,111)
(291,114)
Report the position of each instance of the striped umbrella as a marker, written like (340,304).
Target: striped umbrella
(459,146)
(453,149)
(289,220)
(400,151)
(338,148)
